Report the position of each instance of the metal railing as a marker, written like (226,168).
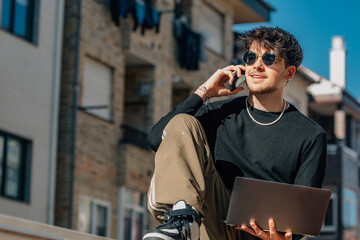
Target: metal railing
(132,135)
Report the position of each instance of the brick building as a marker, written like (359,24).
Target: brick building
(117,80)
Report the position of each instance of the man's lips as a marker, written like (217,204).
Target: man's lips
(257,76)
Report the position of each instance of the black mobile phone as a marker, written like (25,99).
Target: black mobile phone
(237,81)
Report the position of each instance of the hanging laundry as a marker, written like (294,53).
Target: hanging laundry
(114,9)
(148,21)
(177,25)
(123,8)
(156,15)
(120,8)
(188,48)
(142,11)
(139,14)
(152,19)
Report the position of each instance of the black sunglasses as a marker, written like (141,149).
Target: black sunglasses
(268,58)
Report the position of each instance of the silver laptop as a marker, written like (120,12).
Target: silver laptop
(297,208)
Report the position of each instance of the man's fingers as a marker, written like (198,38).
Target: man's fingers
(246,229)
(272,228)
(288,235)
(257,230)
(239,68)
(230,70)
(230,75)
(237,90)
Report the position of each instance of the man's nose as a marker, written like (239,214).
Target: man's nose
(258,63)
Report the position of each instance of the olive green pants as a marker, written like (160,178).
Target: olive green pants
(184,170)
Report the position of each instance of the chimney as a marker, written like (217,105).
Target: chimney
(338,61)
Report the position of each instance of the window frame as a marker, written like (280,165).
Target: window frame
(349,201)
(24,180)
(207,6)
(91,109)
(333,227)
(123,205)
(32,18)
(94,202)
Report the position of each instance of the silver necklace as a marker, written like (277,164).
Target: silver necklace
(264,124)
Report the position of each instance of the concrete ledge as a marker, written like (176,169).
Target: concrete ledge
(12,228)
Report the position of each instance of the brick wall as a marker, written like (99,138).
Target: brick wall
(96,139)
(65,114)
(102,165)
(136,167)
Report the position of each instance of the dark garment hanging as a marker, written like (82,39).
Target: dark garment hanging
(143,13)
(124,8)
(152,19)
(120,8)
(139,14)
(177,27)
(146,16)
(189,48)
(156,15)
(148,21)
(114,9)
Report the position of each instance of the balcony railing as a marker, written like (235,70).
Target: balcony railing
(132,135)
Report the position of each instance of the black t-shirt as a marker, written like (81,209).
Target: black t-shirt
(293,150)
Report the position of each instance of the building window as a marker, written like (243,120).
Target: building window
(94,216)
(357,138)
(330,221)
(97,94)
(211,27)
(349,213)
(132,217)
(14,167)
(20,18)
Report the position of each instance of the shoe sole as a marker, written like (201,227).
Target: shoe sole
(157,236)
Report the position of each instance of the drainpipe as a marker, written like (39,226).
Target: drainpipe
(340,126)
(338,76)
(74,113)
(54,109)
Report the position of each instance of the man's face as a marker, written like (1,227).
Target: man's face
(263,79)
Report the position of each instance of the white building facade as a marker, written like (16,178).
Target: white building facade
(30,56)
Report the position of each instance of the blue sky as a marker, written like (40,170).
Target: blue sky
(314,23)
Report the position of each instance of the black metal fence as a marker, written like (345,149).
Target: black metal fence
(134,136)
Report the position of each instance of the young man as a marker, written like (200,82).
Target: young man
(201,148)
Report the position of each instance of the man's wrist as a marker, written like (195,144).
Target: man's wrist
(202,91)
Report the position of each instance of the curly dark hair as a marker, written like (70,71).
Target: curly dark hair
(283,43)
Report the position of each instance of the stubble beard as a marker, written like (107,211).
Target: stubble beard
(265,90)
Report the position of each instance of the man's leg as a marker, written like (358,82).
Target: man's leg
(184,170)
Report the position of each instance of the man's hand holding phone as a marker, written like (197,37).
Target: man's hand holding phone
(215,86)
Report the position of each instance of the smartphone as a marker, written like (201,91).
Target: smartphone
(237,81)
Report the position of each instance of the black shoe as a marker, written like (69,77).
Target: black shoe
(182,222)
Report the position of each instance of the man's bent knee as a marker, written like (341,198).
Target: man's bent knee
(182,122)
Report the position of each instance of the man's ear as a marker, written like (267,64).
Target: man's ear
(290,72)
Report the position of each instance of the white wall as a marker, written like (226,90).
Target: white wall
(296,92)
(27,82)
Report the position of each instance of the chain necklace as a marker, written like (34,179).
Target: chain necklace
(264,124)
